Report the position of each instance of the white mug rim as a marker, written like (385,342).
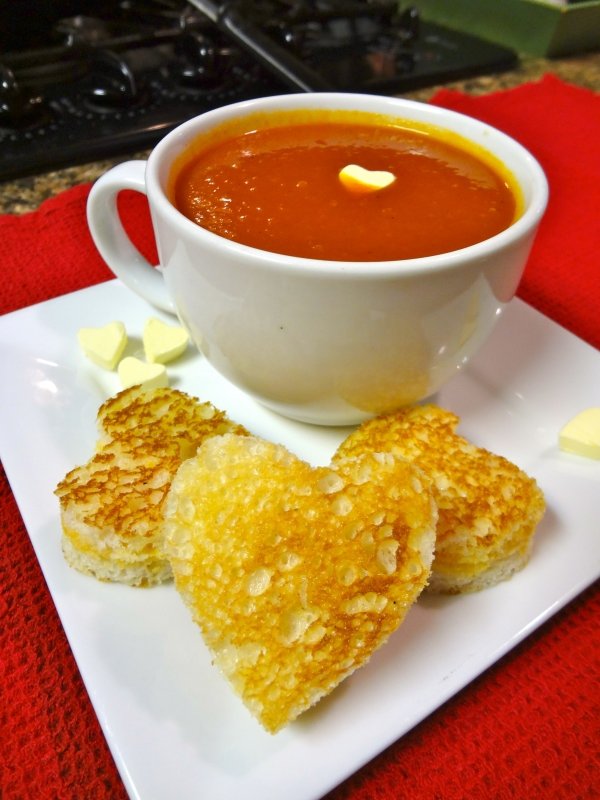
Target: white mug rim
(441,117)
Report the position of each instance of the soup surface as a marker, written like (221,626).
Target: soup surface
(277,189)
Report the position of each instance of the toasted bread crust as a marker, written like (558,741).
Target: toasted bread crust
(295,575)
(488,507)
(111,507)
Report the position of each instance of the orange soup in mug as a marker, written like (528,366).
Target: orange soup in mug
(276,186)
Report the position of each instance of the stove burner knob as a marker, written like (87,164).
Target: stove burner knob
(18,110)
(200,65)
(114,84)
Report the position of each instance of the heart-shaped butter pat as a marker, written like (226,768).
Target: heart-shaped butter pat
(359,179)
(162,342)
(581,435)
(104,346)
(295,574)
(133,372)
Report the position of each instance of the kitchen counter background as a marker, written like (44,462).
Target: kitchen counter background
(25,194)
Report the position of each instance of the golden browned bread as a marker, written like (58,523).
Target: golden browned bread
(294,574)
(111,507)
(488,508)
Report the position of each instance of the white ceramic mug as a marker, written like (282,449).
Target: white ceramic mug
(325,342)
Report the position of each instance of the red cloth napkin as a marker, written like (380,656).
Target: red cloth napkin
(49,252)
(526,729)
(560,125)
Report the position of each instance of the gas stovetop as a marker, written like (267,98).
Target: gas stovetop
(81,80)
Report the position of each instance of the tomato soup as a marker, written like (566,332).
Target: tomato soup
(277,188)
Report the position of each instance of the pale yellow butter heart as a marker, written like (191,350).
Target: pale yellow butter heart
(359,179)
(581,435)
(104,346)
(162,342)
(133,372)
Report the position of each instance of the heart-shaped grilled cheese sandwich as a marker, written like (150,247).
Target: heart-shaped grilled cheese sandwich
(488,508)
(295,574)
(111,506)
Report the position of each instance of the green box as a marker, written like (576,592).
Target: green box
(533,27)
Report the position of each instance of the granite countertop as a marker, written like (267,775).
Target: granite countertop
(25,194)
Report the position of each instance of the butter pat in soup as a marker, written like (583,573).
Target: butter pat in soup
(275,186)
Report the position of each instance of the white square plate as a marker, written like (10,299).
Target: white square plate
(175,728)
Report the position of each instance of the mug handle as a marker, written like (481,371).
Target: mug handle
(112,241)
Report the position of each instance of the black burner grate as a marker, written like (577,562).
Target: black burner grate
(81,81)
